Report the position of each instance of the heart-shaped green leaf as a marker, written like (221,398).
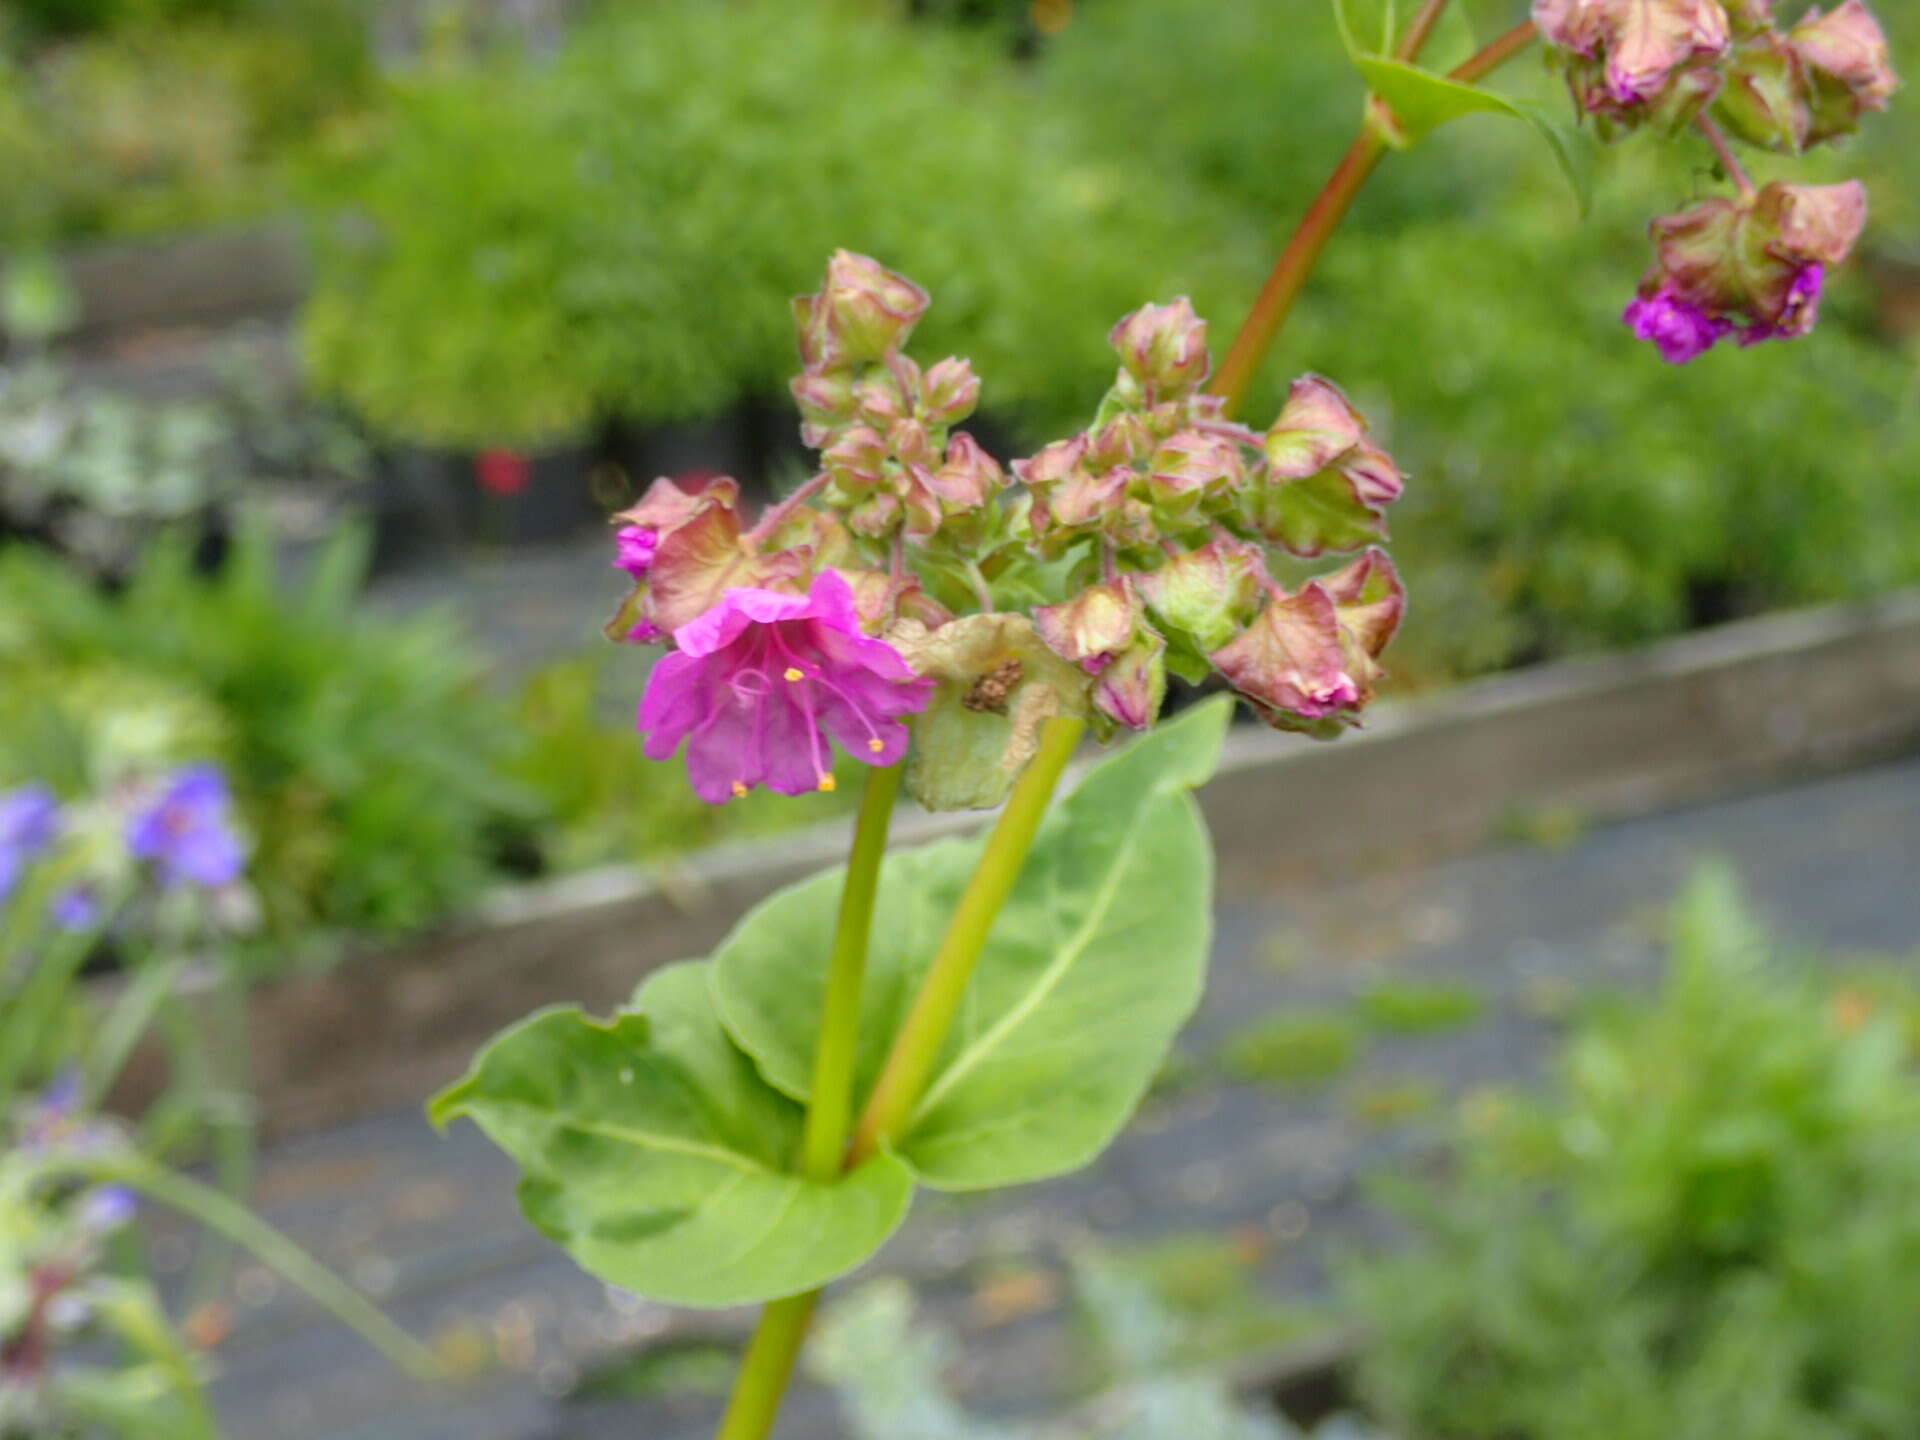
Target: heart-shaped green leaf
(650,1147)
(1094,964)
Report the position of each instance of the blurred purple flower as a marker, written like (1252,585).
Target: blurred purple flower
(29,821)
(75,908)
(187,833)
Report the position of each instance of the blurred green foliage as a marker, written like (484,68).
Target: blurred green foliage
(368,762)
(1710,1227)
(1294,1048)
(151,116)
(618,232)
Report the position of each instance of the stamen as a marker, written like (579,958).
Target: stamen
(794,673)
(827,782)
(876,744)
(738,789)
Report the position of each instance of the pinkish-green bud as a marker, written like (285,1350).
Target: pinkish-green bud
(1369,598)
(1053,463)
(862,311)
(1132,686)
(1190,469)
(949,392)
(857,459)
(882,401)
(1093,626)
(1326,484)
(1756,265)
(1208,594)
(1317,426)
(1121,441)
(826,402)
(1632,61)
(1164,348)
(1292,664)
(1081,501)
(910,442)
(969,477)
(1748,17)
(1764,99)
(1847,65)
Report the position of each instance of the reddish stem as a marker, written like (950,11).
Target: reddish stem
(1419,31)
(1729,162)
(776,516)
(1289,275)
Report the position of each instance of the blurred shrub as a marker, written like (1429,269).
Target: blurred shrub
(1710,1228)
(620,232)
(158,116)
(367,761)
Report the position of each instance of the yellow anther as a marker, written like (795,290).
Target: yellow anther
(876,745)
(793,673)
(826,782)
(738,789)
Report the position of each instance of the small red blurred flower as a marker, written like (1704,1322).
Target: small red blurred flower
(502,472)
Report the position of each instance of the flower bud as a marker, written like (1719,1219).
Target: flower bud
(1764,99)
(1208,594)
(910,443)
(634,547)
(970,476)
(826,402)
(1121,441)
(885,397)
(1632,61)
(1847,66)
(1752,267)
(1749,17)
(857,459)
(1164,348)
(1369,598)
(1133,686)
(1190,469)
(1326,484)
(862,311)
(1053,463)
(949,392)
(1092,627)
(1082,501)
(1291,664)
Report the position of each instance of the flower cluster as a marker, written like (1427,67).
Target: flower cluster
(1663,62)
(174,834)
(1752,266)
(914,575)
(55,1243)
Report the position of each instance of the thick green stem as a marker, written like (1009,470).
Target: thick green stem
(769,1361)
(829,1108)
(1289,275)
(767,1367)
(917,1044)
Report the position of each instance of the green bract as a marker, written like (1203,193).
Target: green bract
(659,1146)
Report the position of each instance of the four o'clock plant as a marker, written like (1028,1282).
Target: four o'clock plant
(754,1124)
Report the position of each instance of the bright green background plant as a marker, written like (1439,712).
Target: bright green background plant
(1709,1226)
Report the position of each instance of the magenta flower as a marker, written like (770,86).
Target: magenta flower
(1681,329)
(760,681)
(636,545)
(1798,311)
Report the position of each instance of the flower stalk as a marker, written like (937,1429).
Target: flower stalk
(1290,272)
(769,1361)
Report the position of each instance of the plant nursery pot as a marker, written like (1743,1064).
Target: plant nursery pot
(534,497)
(685,450)
(424,502)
